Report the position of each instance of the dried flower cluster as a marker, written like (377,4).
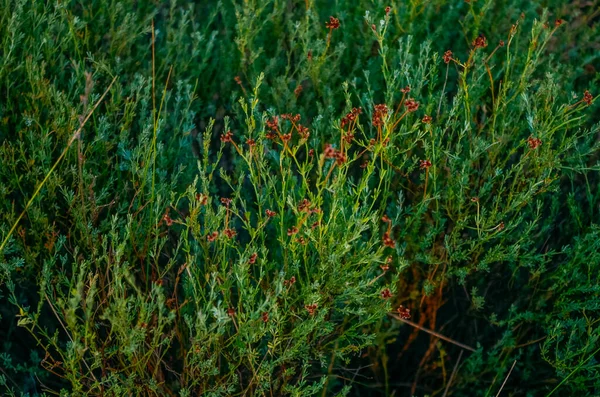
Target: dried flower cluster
(379,115)
(351,117)
(333,23)
(480,41)
(332,153)
(534,143)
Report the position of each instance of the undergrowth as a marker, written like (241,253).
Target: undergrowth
(299,198)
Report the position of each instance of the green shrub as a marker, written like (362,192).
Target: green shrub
(261,186)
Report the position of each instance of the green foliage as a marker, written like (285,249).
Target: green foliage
(259,189)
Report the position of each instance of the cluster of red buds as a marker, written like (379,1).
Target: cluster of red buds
(424,164)
(333,23)
(238,80)
(311,309)
(480,41)
(252,259)
(231,312)
(303,131)
(301,240)
(309,55)
(403,312)
(311,152)
(379,114)
(348,137)
(271,214)
(292,231)
(226,137)
(291,117)
(426,119)
(290,282)
(213,236)
(225,201)
(265,317)
(315,224)
(332,153)
(167,219)
(501,43)
(230,233)
(286,137)
(387,10)
(386,293)
(411,105)
(351,117)
(273,124)
(250,142)
(587,97)
(558,22)
(304,206)
(298,90)
(405,90)
(447,56)
(386,266)
(534,143)
(388,241)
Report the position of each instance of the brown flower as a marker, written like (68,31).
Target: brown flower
(292,231)
(225,201)
(534,143)
(333,23)
(558,22)
(290,282)
(265,317)
(426,119)
(298,90)
(213,236)
(231,312)
(311,309)
(167,219)
(273,123)
(230,233)
(447,56)
(587,97)
(271,214)
(303,131)
(386,293)
(480,41)
(388,241)
(424,164)
(403,312)
(304,205)
(226,137)
(252,259)
(379,114)
(386,266)
(411,105)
